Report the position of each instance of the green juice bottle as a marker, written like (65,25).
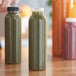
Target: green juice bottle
(37,40)
(13,36)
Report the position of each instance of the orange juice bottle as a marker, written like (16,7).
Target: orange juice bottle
(72,13)
(68,7)
(61,10)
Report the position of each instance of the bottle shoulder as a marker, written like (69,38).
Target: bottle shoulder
(38,20)
(37,17)
(12,15)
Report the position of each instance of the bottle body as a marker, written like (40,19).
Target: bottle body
(58,27)
(61,10)
(37,42)
(12,38)
(70,39)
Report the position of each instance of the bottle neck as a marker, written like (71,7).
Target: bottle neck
(13,12)
(38,13)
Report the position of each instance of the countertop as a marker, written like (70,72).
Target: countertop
(54,66)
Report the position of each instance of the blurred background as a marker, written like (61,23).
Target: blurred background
(26,6)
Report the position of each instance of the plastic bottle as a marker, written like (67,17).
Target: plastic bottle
(70,39)
(37,40)
(13,36)
(61,9)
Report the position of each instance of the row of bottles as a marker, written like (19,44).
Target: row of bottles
(37,38)
(64,27)
(63,34)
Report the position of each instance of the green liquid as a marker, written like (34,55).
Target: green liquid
(12,38)
(37,41)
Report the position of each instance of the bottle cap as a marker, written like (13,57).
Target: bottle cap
(38,9)
(13,9)
(70,19)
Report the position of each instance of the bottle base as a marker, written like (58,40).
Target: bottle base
(12,63)
(40,69)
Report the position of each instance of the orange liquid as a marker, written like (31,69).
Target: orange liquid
(68,7)
(72,13)
(60,11)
